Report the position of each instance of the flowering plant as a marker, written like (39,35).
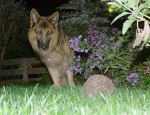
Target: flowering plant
(137,11)
(96,50)
(100,48)
(132,78)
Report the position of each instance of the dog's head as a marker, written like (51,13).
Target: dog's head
(44,28)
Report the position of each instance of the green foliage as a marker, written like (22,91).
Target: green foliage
(137,11)
(117,63)
(100,53)
(14,21)
(126,25)
(78,14)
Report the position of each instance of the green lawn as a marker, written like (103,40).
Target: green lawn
(44,100)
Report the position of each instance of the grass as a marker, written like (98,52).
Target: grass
(44,100)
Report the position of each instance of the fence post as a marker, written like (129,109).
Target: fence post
(25,69)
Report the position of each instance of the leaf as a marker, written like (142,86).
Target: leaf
(126,25)
(127,65)
(132,3)
(148,43)
(141,6)
(131,17)
(119,16)
(136,12)
(148,3)
(119,1)
(146,11)
(106,70)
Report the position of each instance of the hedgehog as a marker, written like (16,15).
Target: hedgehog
(97,85)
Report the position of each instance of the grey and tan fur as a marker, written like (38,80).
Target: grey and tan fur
(50,42)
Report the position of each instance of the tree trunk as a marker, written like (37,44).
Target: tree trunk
(3,52)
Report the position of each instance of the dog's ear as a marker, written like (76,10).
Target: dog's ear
(54,19)
(34,16)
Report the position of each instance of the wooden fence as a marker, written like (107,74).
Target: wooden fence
(25,70)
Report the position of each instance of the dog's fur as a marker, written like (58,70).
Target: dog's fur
(50,42)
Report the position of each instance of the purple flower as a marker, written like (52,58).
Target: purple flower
(86,50)
(133,84)
(130,50)
(115,30)
(78,58)
(102,46)
(76,69)
(80,36)
(85,39)
(132,79)
(99,66)
(103,35)
(92,67)
(76,41)
(97,39)
(82,50)
(91,56)
(105,29)
(98,55)
(108,21)
(76,49)
(70,43)
(117,45)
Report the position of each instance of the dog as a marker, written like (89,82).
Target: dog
(50,42)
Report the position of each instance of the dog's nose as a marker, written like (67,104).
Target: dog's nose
(43,46)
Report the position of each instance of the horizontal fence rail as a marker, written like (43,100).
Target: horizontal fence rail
(25,70)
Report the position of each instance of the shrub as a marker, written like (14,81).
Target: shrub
(136,11)
(100,48)
(13,29)
(132,78)
(96,48)
(76,15)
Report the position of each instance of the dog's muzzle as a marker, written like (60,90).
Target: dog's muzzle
(43,46)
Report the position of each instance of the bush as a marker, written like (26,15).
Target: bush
(100,48)
(13,29)
(77,15)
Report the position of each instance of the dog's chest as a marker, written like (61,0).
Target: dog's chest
(48,59)
(52,59)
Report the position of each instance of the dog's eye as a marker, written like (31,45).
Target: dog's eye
(48,32)
(39,32)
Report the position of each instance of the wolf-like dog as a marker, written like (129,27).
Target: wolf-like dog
(50,42)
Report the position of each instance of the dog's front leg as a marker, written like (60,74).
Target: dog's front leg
(55,77)
(70,77)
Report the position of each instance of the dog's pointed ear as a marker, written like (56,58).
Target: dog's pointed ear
(34,16)
(54,19)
